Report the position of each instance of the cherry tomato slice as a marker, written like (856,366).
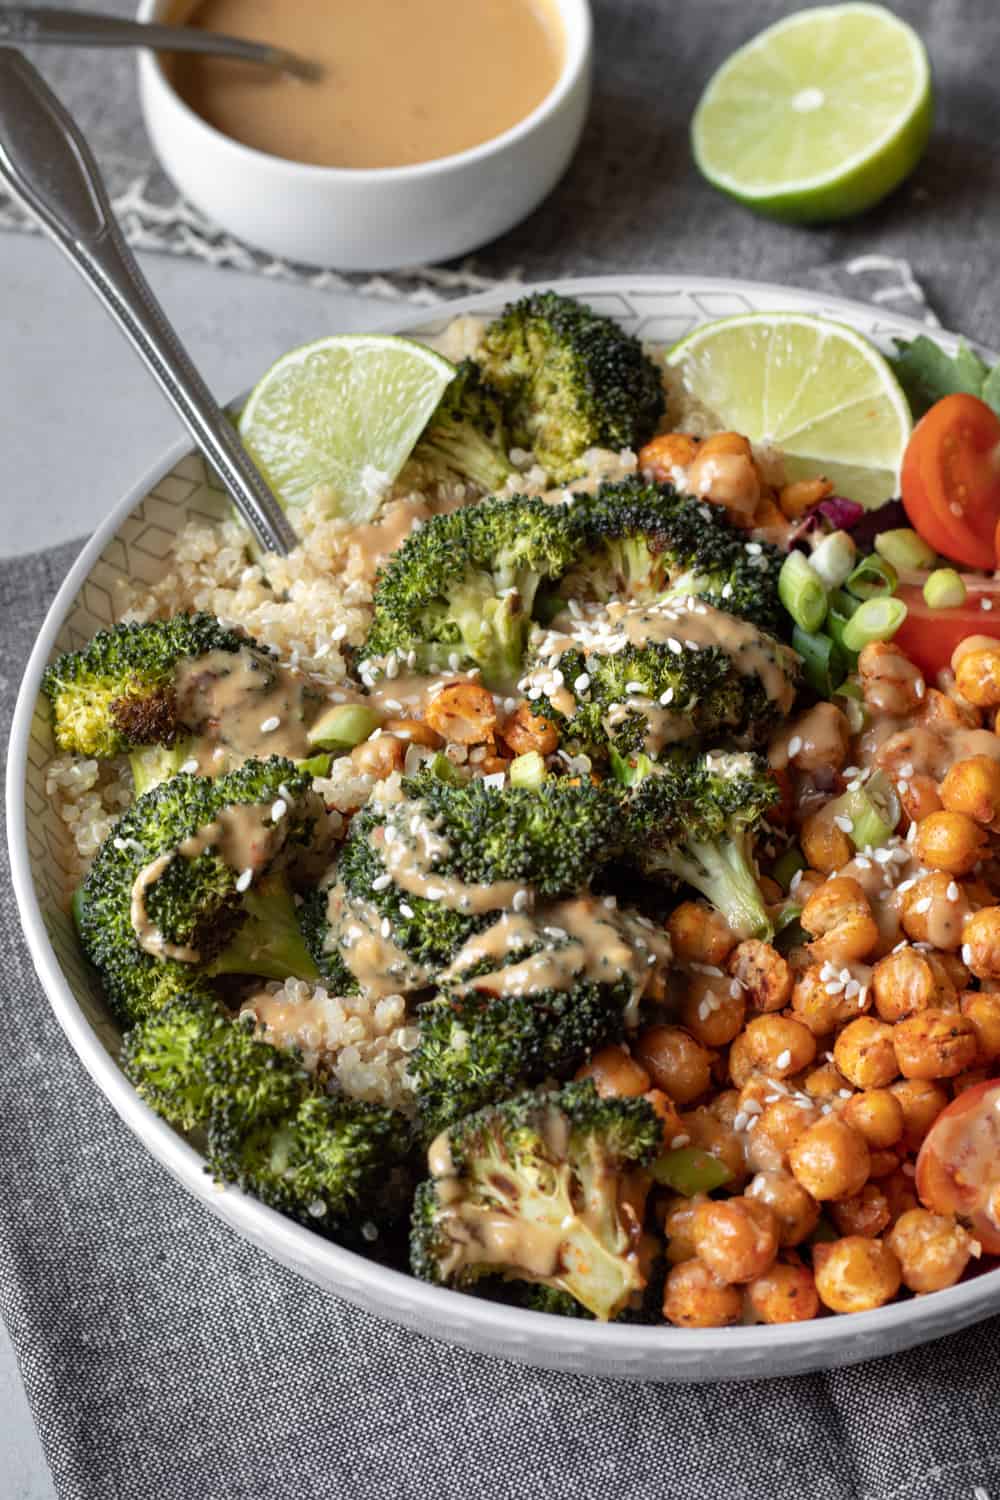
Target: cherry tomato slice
(929,636)
(958,1169)
(951,479)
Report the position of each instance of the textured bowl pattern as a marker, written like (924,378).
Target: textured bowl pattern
(134,544)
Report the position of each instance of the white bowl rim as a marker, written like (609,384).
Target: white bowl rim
(579,46)
(320,1260)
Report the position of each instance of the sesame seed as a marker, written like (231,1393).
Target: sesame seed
(924,904)
(270,725)
(667,697)
(784,1059)
(385,927)
(679,1141)
(967,954)
(674,645)
(245,880)
(794,746)
(405,910)
(846,825)
(521,900)
(190,767)
(380,882)
(952,892)
(986,604)
(582,683)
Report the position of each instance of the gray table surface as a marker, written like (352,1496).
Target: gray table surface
(62,357)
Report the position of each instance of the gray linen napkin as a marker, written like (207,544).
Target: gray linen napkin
(165,1359)
(632,198)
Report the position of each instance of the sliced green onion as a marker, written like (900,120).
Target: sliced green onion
(343,727)
(833,559)
(801,592)
(316,765)
(689,1170)
(836,624)
(821,663)
(872,810)
(873,578)
(853,706)
(876,620)
(905,549)
(945,589)
(788,916)
(445,770)
(527,771)
(787,867)
(629,771)
(844,603)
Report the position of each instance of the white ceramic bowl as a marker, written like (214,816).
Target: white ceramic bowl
(372,219)
(133,541)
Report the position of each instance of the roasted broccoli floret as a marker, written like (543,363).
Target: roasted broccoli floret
(466,435)
(192,884)
(642,678)
(314,923)
(693,820)
(455,855)
(530,998)
(322,1160)
(118,692)
(645,542)
(546,1188)
(460,591)
(643,1307)
(570,380)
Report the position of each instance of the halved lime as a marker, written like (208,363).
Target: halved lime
(344,412)
(811,387)
(819,116)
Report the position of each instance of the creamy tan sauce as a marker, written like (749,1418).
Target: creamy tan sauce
(544,1236)
(819,736)
(409,857)
(245,838)
(242,704)
(404,80)
(583,940)
(355,930)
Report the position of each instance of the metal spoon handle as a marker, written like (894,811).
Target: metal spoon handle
(26,25)
(48,166)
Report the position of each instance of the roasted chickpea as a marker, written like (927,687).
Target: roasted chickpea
(615,1075)
(708,1133)
(710,1011)
(855,1274)
(890,682)
(981,943)
(414,732)
(866,1213)
(918,796)
(972,787)
(525,731)
(675,1062)
(379,757)
(776,1130)
(463,713)
(816,740)
(825,1083)
(839,919)
(882,1163)
(801,495)
(796,1211)
(671,450)
(700,934)
(921,1102)
(932,1249)
(830,1159)
(678,1228)
(983,1011)
(900,1193)
(934,1044)
(977,671)
(864,1053)
(948,709)
(877,1115)
(824,1004)
(775,1045)
(737,1238)
(934,910)
(725,1106)
(950,841)
(784,1294)
(695,1298)
(725,474)
(908,980)
(765,976)
(825,846)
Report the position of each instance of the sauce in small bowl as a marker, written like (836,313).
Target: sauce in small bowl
(405,81)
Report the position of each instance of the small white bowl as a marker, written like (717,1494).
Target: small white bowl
(371,219)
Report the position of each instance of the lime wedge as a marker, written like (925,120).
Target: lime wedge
(344,412)
(819,116)
(813,388)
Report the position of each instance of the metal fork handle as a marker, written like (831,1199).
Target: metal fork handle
(28,25)
(47,165)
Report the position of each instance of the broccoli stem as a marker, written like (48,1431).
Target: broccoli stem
(270,943)
(723,873)
(152,764)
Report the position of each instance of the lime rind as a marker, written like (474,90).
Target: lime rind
(793,125)
(811,387)
(342,414)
